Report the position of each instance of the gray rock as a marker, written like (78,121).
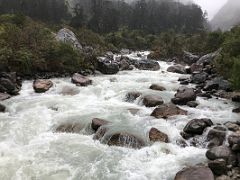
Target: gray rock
(42,85)
(2,108)
(156,135)
(9,83)
(4,96)
(70,127)
(97,123)
(192,104)
(215,137)
(150,65)
(195,173)
(184,95)
(199,78)
(196,68)
(132,96)
(107,67)
(217,83)
(219,152)
(67,36)
(152,100)
(81,80)
(236,98)
(189,58)
(167,110)
(177,69)
(157,87)
(125,140)
(197,126)
(208,58)
(218,166)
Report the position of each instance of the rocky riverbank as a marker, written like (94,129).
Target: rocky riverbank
(199,80)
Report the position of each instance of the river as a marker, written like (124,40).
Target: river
(30,150)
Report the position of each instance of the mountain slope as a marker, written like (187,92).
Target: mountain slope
(228,16)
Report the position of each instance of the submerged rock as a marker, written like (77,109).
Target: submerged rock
(195,173)
(167,110)
(125,140)
(81,80)
(192,104)
(177,69)
(152,100)
(68,90)
(197,126)
(184,95)
(157,87)
(133,111)
(42,85)
(132,96)
(70,127)
(97,123)
(156,135)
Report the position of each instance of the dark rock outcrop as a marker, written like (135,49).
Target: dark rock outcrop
(208,58)
(147,65)
(219,152)
(177,69)
(192,104)
(190,58)
(216,137)
(184,95)
(2,108)
(195,173)
(156,135)
(106,66)
(236,97)
(217,83)
(167,110)
(218,166)
(97,123)
(199,78)
(42,85)
(125,140)
(81,80)
(9,83)
(152,100)
(157,87)
(197,126)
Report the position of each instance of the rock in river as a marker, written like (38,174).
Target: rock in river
(81,80)
(97,123)
(167,110)
(184,95)
(197,126)
(195,173)
(42,85)
(177,69)
(157,87)
(156,135)
(152,100)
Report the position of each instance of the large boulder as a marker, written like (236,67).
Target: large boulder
(97,123)
(199,78)
(216,137)
(217,83)
(150,65)
(184,95)
(167,110)
(219,152)
(81,80)
(208,58)
(196,68)
(234,139)
(106,66)
(152,100)
(197,126)
(67,36)
(9,83)
(42,85)
(125,140)
(236,97)
(4,96)
(189,58)
(177,69)
(157,87)
(195,173)
(132,96)
(2,108)
(218,166)
(156,135)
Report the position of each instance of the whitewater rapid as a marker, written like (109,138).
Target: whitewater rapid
(30,150)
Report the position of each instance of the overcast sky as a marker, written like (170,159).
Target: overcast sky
(211,6)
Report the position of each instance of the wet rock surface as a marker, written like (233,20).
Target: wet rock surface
(167,110)
(177,69)
(81,80)
(42,85)
(152,100)
(10,83)
(184,95)
(157,87)
(155,135)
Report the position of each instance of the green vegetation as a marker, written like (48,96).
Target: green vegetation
(28,47)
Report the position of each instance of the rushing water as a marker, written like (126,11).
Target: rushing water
(30,150)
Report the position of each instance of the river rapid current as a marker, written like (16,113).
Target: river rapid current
(31,150)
